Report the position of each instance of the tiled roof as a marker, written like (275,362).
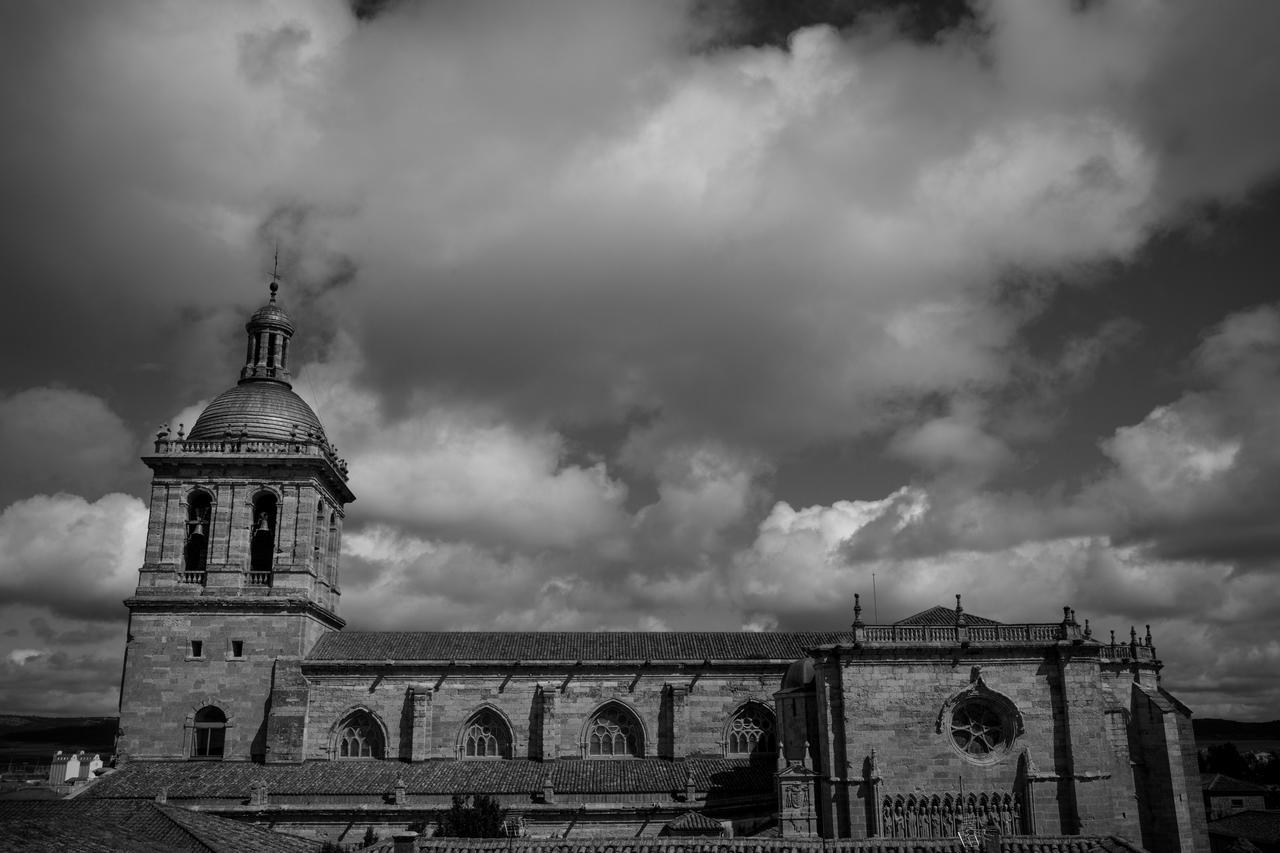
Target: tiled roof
(1024,844)
(1256,825)
(695,822)
(1219,783)
(231,780)
(223,835)
(136,826)
(940,615)
(534,646)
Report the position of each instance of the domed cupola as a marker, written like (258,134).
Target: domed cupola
(267,355)
(262,405)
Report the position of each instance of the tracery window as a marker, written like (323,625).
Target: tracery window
(614,732)
(210,724)
(979,729)
(751,731)
(359,736)
(486,735)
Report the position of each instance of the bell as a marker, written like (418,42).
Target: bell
(197,529)
(263,525)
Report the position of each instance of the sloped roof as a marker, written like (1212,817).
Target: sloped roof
(1220,783)
(1255,824)
(136,826)
(692,821)
(1014,844)
(939,615)
(559,646)
(375,779)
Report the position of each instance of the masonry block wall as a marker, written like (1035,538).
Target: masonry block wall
(423,713)
(1169,789)
(1116,683)
(165,683)
(307,534)
(897,705)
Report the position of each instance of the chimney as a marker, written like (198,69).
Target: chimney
(405,842)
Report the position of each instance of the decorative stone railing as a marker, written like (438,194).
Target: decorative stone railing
(193,577)
(927,634)
(239,445)
(259,578)
(1024,634)
(1127,652)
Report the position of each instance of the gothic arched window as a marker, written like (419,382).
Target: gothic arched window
(359,736)
(751,731)
(262,538)
(195,552)
(486,735)
(614,732)
(210,739)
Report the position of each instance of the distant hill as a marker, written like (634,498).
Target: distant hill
(1213,729)
(33,739)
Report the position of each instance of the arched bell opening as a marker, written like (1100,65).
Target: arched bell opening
(262,539)
(195,550)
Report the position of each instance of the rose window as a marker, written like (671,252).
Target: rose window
(978,729)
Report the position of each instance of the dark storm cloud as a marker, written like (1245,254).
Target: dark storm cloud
(722,233)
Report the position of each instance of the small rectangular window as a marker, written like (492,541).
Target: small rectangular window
(197,648)
(237,648)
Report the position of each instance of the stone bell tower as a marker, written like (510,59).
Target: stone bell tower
(241,566)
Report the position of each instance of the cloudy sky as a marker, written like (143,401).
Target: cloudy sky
(646,315)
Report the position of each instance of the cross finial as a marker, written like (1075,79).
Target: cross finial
(275,273)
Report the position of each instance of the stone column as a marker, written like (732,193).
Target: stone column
(156,532)
(679,720)
(550,726)
(175,522)
(420,741)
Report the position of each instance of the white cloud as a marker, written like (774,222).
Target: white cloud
(77,558)
(21,656)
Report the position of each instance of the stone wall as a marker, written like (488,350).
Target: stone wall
(305,542)
(898,706)
(424,713)
(164,685)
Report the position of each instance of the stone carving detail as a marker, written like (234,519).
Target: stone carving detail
(796,795)
(981,724)
(933,816)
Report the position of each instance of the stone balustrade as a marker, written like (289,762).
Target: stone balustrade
(242,445)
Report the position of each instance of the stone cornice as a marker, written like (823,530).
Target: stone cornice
(253,454)
(264,605)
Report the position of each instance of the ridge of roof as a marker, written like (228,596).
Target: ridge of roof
(223,835)
(939,615)
(533,646)
(1223,782)
(695,820)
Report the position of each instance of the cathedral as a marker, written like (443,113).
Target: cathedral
(244,696)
